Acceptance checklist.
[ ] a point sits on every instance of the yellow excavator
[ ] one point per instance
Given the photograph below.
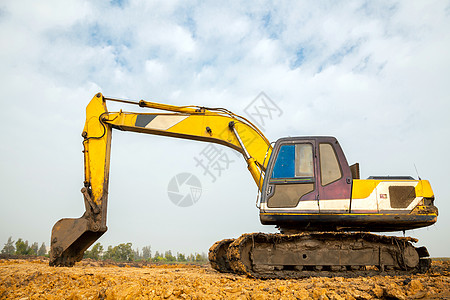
(324, 211)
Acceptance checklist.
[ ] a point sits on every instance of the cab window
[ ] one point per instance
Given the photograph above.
(294, 161)
(330, 170)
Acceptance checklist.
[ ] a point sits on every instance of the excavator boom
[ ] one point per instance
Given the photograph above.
(71, 237)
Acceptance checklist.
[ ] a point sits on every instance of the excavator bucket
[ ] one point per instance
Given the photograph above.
(70, 238)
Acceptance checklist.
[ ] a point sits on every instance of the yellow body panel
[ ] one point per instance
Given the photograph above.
(362, 189)
(423, 189)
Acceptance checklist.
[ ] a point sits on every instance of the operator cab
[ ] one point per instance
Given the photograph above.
(309, 174)
(309, 186)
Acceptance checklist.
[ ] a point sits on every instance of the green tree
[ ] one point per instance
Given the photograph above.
(22, 247)
(137, 254)
(181, 257)
(204, 257)
(9, 247)
(124, 252)
(42, 250)
(95, 252)
(34, 248)
(158, 257)
(108, 253)
(146, 253)
(121, 252)
(200, 257)
(169, 257)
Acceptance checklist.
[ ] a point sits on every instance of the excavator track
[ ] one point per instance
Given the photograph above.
(218, 256)
(269, 256)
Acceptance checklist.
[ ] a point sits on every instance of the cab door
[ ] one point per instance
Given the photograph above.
(293, 175)
(334, 180)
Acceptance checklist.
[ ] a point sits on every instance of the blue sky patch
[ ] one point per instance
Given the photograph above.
(271, 27)
(338, 55)
(299, 58)
(187, 20)
(119, 3)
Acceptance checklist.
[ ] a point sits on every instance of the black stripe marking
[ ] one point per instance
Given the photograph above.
(143, 120)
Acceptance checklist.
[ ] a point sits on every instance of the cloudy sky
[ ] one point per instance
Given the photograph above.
(375, 74)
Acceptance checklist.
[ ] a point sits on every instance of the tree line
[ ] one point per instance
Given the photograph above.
(21, 247)
(121, 252)
(124, 252)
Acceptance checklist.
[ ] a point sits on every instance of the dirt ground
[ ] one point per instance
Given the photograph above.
(34, 279)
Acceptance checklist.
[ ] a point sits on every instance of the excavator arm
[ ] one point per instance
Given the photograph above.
(71, 237)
